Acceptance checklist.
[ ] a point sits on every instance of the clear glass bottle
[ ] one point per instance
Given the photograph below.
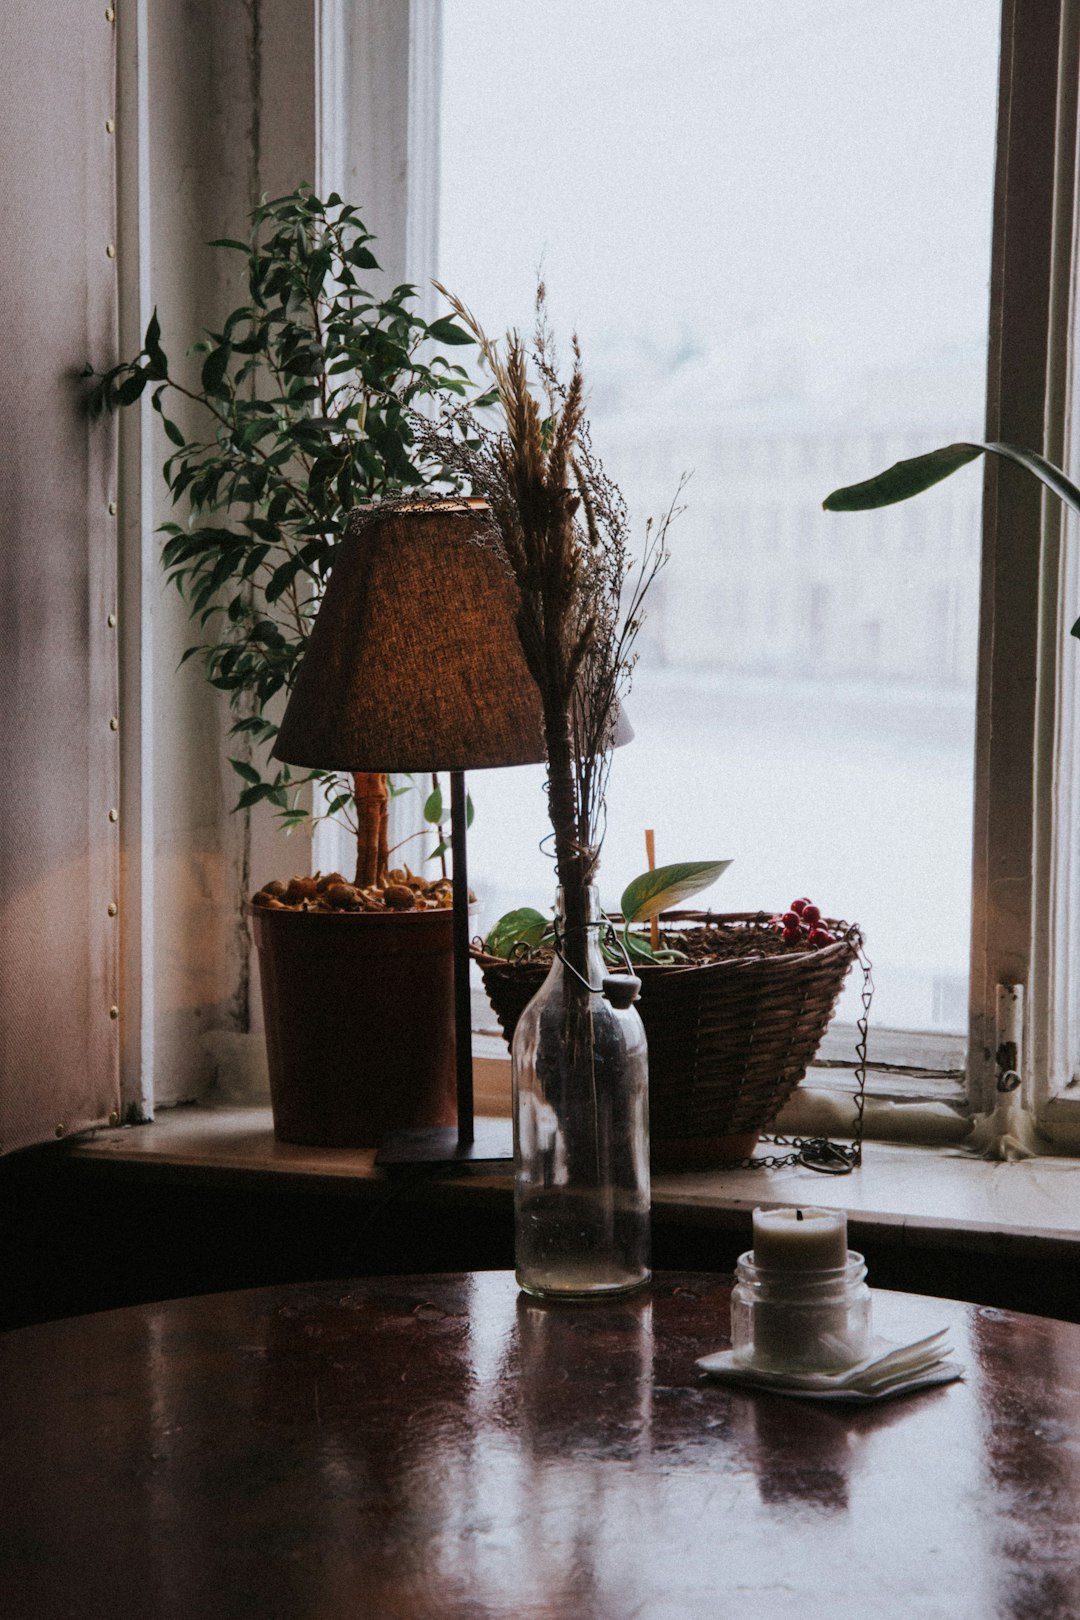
(581, 1128)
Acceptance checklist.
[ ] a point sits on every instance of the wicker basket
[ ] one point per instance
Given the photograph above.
(729, 1039)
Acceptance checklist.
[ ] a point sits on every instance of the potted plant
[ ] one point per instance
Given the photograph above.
(302, 409)
(734, 1005)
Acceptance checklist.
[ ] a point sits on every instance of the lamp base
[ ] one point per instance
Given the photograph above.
(493, 1142)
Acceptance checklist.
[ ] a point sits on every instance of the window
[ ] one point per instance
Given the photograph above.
(710, 207)
(758, 310)
(767, 434)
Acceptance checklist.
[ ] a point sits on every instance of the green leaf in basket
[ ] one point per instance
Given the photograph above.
(638, 949)
(525, 926)
(653, 892)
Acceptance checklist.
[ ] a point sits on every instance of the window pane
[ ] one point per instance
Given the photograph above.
(770, 227)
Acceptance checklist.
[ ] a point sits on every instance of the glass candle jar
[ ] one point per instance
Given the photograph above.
(800, 1321)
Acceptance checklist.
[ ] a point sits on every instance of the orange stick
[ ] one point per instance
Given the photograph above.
(650, 852)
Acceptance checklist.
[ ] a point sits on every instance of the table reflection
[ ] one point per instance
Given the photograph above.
(443, 1446)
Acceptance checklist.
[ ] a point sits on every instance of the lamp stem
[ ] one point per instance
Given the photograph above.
(462, 995)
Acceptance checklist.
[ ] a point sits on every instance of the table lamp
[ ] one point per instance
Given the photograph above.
(414, 664)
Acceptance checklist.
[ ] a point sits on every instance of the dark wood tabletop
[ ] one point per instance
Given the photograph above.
(443, 1446)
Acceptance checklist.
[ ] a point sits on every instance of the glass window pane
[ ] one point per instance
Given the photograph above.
(770, 227)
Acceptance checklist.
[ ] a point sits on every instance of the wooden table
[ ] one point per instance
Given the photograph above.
(442, 1446)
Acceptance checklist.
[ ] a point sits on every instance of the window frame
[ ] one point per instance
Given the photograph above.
(1055, 1033)
(1026, 868)
(1027, 687)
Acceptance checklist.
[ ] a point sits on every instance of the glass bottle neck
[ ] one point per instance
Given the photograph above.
(581, 953)
(592, 905)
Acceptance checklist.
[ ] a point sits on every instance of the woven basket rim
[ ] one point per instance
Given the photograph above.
(849, 943)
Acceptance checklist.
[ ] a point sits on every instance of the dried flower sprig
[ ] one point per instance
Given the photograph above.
(562, 526)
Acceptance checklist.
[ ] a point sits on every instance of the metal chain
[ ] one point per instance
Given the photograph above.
(818, 1152)
(863, 1027)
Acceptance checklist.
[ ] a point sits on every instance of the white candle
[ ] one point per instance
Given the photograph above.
(800, 1239)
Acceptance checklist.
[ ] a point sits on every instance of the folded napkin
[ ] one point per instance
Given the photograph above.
(890, 1369)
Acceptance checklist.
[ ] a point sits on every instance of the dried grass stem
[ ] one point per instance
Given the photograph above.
(561, 525)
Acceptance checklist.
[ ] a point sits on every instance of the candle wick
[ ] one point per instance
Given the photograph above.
(798, 1214)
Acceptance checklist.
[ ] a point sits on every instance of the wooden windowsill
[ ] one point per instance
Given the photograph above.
(903, 1196)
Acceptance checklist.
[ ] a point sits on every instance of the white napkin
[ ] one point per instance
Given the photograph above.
(890, 1369)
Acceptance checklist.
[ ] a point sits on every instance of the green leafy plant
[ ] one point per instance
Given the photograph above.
(665, 887)
(526, 930)
(300, 410)
(906, 478)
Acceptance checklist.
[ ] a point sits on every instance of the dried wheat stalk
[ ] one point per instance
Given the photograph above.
(562, 526)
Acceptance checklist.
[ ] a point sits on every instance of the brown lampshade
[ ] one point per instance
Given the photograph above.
(414, 662)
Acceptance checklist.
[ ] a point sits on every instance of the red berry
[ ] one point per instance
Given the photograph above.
(799, 906)
(791, 935)
(791, 919)
(811, 915)
(821, 936)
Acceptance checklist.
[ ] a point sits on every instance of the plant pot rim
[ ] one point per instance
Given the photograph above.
(411, 919)
(848, 943)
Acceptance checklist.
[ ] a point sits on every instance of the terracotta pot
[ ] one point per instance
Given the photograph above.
(359, 1012)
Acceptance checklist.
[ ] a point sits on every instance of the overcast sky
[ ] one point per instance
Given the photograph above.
(814, 173)
(801, 190)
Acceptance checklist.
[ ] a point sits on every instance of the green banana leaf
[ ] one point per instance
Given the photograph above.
(660, 890)
(639, 950)
(906, 478)
(525, 926)
(645, 897)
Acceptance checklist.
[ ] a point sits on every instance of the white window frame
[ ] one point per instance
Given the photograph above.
(1054, 1039)
(338, 92)
(379, 71)
(1024, 918)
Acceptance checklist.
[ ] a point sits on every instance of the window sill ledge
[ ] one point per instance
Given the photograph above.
(903, 1197)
